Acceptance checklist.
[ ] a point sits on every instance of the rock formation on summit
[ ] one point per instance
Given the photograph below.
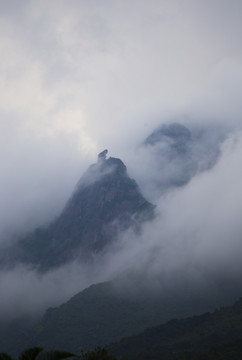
(102, 155)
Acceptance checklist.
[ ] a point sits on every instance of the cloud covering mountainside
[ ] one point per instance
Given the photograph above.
(193, 244)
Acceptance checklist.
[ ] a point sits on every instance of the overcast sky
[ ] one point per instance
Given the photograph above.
(79, 76)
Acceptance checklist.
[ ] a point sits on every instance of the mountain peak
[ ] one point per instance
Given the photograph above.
(105, 202)
(103, 170)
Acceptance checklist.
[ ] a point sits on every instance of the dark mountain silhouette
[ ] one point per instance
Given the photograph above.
(106, 201)
(100, 314)
(208, 336)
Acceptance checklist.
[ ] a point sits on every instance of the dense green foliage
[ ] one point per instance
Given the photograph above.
(30, 354)
(5, 356)
(37, 353)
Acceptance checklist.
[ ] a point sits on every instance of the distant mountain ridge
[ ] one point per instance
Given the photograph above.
(179, 152)
(101, 314)
(216, 335)
(98, 315)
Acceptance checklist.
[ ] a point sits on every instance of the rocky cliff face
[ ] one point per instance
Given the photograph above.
(105, 202)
